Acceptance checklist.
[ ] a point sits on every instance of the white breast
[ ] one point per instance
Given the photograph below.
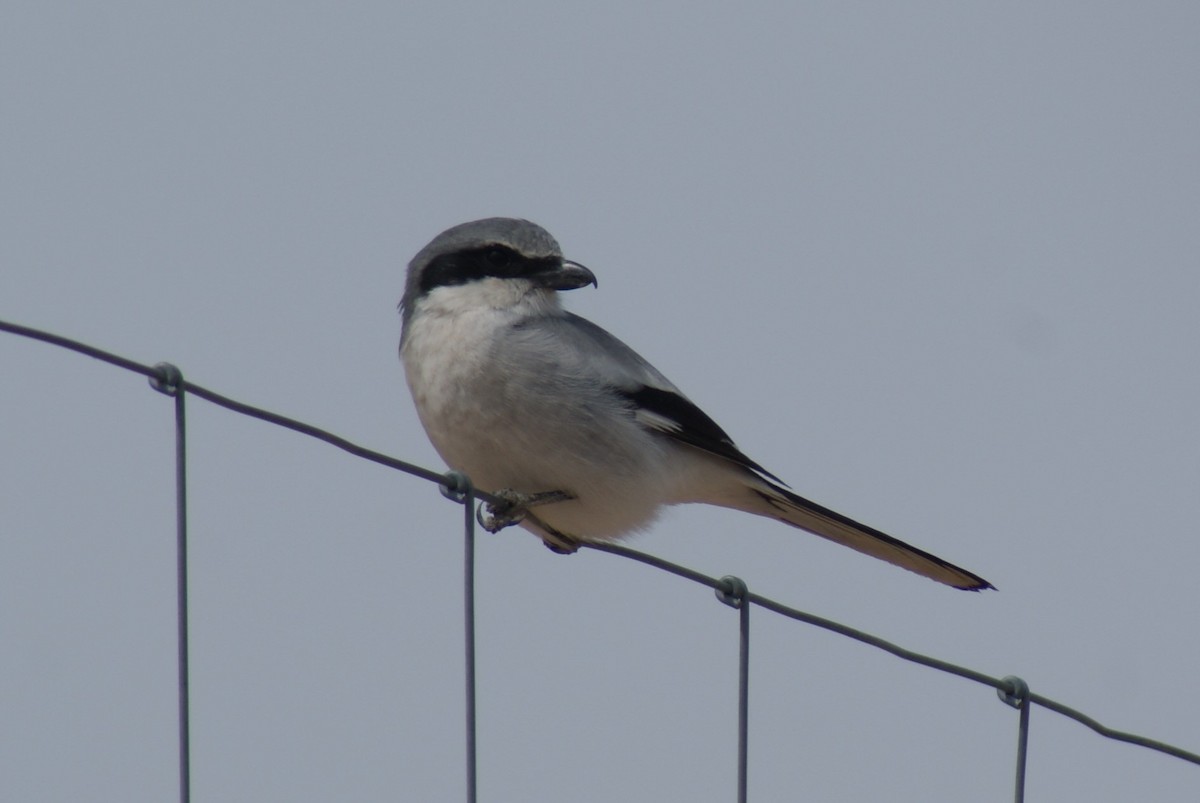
(510, 428)
(447, 362)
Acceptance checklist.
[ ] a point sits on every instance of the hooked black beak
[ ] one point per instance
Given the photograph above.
(566, 276)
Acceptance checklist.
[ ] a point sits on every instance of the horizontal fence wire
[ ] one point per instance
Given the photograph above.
(169, 380)
(1008, 686)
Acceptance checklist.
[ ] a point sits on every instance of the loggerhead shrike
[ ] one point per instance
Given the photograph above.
(585, 438)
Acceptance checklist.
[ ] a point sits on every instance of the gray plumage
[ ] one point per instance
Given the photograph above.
(522, 395)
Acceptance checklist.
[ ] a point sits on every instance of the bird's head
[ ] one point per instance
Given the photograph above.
(506, 257)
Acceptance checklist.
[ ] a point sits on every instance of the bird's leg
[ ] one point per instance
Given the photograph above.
(513, 507)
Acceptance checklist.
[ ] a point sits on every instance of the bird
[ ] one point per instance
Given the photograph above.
(580, 438)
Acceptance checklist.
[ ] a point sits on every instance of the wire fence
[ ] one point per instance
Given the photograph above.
(732, 591)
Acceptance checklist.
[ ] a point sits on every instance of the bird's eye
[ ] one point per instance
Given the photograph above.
(498, 257)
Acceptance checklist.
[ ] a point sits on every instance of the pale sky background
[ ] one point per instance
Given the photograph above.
(935, 264)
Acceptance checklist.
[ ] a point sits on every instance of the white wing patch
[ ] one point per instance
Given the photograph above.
(653, 420)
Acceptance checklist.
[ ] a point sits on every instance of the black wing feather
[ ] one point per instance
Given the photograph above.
(693, 425)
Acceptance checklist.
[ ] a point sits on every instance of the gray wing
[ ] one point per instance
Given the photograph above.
(576, 348)
(585, 349)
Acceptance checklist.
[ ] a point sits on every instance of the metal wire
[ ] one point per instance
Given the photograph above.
(239, 407)
(169, 381)
(469, 632)
(1022, 750)
(733, 593)
(181, 594)
(731, 590)
(1016, 694)
(743, 699)
(900, 652)
(462, 491)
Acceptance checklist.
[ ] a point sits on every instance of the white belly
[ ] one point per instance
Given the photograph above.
(532, 433)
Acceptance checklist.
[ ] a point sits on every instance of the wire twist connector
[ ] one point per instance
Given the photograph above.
(1013, 691)
(732, 591)
(457, 486)
(167, 379)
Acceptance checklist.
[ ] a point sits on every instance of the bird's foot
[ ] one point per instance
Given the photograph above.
(514, 506)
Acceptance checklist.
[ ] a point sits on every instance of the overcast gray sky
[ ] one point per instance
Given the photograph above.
(935, 264)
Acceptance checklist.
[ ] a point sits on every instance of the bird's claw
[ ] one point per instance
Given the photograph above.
(495, 518)
(560, 544)
(513, 507)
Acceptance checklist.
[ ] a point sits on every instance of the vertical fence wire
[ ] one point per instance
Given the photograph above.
(181, 594)
(1022, 750)
(1015, 691)
(733, 592)
(457, 487)
(469, 631)
(169, 380)
(743, 700)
